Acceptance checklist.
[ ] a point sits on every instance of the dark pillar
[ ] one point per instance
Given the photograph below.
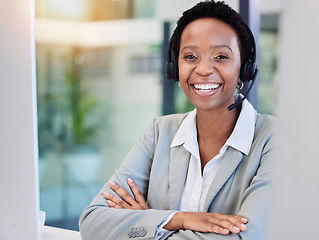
(250, 11)
(168, 85)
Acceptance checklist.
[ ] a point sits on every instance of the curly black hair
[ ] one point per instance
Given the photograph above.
(218, 10)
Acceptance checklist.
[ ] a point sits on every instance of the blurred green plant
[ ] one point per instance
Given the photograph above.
(66, 107)
(82, 105)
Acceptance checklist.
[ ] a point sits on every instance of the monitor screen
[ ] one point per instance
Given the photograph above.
(19, 204)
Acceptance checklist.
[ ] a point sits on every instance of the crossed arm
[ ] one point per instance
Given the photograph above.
(195, 221)
(126, 208)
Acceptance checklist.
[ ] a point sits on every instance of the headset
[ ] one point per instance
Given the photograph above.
(248, 70)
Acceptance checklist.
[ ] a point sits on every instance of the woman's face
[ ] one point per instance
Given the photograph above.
(209, 63)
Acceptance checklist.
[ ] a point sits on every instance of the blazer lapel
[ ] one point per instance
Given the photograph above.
(179, 161)
(230, 161)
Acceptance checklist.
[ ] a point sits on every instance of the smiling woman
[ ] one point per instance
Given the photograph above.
(205, 174)
(214, 58)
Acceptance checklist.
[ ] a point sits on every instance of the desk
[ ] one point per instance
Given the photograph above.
(52, 233)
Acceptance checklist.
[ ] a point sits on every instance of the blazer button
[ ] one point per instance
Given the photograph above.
(137, 232)
(142, 232)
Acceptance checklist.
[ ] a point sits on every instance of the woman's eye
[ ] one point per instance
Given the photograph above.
(191, 57)
(221, 57)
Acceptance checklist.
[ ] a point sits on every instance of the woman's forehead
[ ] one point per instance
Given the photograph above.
(209, 31)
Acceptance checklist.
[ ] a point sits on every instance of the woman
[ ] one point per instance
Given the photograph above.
(204, 174)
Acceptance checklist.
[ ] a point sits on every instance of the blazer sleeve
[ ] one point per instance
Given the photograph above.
(98, 221)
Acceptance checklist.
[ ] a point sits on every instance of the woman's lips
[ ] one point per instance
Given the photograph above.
(207, 87)
(206, 90)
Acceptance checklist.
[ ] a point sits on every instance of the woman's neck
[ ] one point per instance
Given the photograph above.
(213, 130)
(216, 124)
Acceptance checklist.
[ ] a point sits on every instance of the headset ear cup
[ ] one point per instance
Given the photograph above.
(169, 68)
(253, 71)
(242, 75)
(248, 71)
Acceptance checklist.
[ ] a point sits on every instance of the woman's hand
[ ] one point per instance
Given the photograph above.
(126, 201)
(195, 221)
(207, 222)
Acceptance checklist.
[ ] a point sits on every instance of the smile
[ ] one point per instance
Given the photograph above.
(205, 87)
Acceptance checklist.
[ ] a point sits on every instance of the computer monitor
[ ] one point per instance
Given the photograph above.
(19, 202)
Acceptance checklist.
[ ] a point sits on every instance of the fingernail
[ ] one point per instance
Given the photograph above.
(236, 228)
(244, 220)
(106, 194)
(243, 226)
(111, 204)
(112, 183)
(130, 180)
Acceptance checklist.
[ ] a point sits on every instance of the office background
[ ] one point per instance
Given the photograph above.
(100, 83)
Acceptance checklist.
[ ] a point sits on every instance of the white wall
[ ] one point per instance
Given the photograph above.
(295, 206)
(100, 33)
(171, 10)
(19, 203)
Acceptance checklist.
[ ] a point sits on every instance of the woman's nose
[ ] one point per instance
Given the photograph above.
(204, 67)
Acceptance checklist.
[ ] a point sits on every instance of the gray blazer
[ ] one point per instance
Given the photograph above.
(241, 186)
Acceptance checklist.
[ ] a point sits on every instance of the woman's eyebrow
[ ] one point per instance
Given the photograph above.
(222, 46)
(193, 47)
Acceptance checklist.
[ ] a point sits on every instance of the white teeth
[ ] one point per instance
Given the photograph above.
(206, 87)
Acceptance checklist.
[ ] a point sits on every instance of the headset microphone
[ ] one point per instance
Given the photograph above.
(232, 106)
(248, 71)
